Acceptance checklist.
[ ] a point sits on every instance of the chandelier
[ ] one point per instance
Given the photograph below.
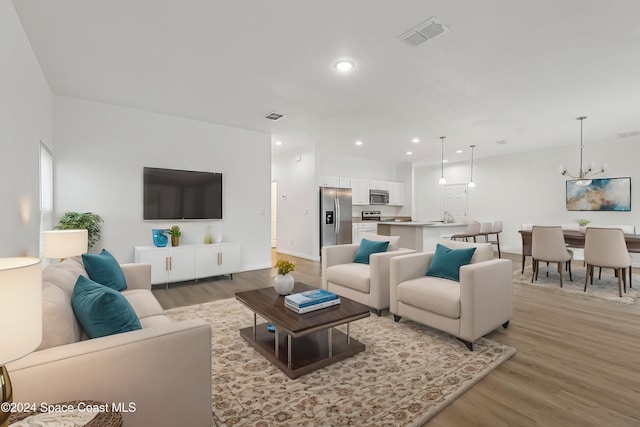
(583, 178)
(442, 179)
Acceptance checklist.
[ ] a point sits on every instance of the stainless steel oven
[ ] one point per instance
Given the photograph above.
(378, 197)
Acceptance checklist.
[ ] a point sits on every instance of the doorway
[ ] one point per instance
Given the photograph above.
(455, 201)
(274, 214)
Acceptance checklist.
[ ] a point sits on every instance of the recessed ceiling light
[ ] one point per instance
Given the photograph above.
(445, 161)
(503, 142)
(409, 153)
(344, 65)
(358, 143)
(278, 142)
(415, 140)
(458, 151)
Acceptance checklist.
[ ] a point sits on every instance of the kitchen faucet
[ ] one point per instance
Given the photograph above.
(447, 217)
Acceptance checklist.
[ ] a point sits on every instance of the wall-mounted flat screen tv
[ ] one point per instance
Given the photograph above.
(182, 194)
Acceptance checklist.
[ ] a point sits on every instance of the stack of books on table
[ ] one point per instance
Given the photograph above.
(304, 302)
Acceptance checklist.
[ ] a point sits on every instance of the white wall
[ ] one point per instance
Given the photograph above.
(297, 230)
(527, 187)
(100, 154)
(25, 120)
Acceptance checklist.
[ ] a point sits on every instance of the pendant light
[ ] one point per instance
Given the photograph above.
(442, 180)
(582, 178)
(471, 183)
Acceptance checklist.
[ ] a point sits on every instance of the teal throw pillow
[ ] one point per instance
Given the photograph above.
(104, 269)
(101, 310)
(367, 247)
(446, 262)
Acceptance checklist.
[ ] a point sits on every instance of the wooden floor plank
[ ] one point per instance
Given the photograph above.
(578, 359)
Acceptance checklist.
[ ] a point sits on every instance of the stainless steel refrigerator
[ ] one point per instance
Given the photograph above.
(335, 216)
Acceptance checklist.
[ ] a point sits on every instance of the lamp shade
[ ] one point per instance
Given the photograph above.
(64, 243)
(20, 307)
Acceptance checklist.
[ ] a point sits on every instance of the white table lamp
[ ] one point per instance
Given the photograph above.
(20, 317)
(64, 243)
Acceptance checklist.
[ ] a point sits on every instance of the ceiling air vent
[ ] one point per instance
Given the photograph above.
(274, 116)
(429, 29)
(628, 134)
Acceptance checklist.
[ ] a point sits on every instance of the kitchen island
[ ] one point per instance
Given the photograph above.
(421, 236)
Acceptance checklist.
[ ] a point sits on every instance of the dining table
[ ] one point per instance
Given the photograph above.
(574, 239)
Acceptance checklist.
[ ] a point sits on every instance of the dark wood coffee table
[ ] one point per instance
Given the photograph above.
(305, 342)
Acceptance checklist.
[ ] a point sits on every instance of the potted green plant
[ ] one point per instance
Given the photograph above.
(82, 221)
(175, 234)
(582, 223)
(283, 281)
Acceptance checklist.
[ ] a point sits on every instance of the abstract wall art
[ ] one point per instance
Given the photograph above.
(602, 194)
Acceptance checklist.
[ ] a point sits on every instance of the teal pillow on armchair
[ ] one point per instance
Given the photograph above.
(101, 310)
(446, 262)
(368, 247)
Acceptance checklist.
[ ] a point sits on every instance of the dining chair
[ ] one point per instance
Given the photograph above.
(496, 228)
(547, 245)
(606, 247)
(473, 229)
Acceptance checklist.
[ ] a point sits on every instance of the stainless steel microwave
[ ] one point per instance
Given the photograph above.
(378, 197)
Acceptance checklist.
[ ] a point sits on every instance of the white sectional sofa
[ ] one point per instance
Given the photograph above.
(163, 369)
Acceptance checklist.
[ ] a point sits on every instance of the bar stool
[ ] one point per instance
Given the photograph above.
(473, 228)
(496, 228)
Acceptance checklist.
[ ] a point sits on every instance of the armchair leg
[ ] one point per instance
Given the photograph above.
(396, 318)
(378, 312)
(467, 343)
(506, 324)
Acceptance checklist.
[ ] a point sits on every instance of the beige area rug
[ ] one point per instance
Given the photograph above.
(406, 375)
(605, 288)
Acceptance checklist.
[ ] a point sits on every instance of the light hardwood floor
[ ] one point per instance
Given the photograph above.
(578, 359)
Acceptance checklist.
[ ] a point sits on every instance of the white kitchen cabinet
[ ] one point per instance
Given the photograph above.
(329, 181)
(363, 227)
(396, 193)
(378, 185)
(359, 192)
(345, 182)
(189, 262)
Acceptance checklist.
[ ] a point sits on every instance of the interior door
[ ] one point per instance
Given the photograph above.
(455, 201)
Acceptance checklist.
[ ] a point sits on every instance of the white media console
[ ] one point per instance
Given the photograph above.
(189, 262)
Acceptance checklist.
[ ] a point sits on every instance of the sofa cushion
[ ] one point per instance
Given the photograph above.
(65, 274)
(446, 262)
(434, 294)
(102, 310)
(368, 247)
(59, 324)
(394, 241)
(104, 269)
(355, 276)
(143, 303)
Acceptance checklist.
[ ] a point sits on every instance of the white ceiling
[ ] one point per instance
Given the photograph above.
(513, 70)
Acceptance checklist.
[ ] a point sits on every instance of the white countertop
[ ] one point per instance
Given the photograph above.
(423, 224)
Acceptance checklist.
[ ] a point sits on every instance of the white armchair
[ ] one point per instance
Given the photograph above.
(480, 302)
(367, 284)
